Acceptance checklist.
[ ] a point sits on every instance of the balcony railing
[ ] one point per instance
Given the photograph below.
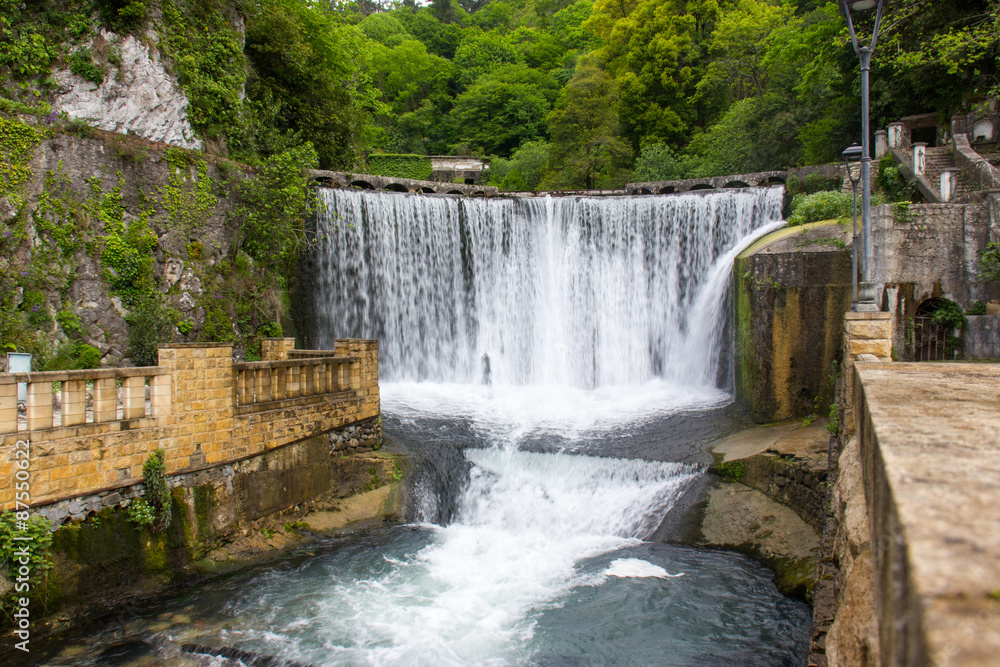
(262, 385)
(74, 398)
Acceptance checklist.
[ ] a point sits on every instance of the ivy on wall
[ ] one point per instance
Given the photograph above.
(417, 167)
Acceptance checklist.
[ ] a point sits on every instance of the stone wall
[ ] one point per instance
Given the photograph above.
(926, 251)
(922, 473)
(792, 289)
(193, 418)
(981, 337)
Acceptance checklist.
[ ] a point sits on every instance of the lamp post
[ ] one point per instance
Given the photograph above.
(851, 154)
(866, 295)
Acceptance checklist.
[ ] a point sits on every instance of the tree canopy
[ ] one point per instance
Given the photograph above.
(605, 90)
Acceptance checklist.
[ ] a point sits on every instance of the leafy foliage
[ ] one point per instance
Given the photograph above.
(989, 263)
(275, 205)
(157, 492)
(824, 205)
(149, 324)
(586, 150)
(400, 166)
(37, 537)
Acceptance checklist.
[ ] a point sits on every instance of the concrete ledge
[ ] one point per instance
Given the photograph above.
(930, 449)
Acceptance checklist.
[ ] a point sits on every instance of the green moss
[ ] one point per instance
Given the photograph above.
(204, 501)
(17, 146)
(730, 470)
(794, 577)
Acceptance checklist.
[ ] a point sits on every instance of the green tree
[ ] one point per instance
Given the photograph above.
(586, 150)
(301, 83)
(524, 170)
(503, 109)
(480, 53)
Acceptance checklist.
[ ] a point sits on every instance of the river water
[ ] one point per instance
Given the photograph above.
(556, 368)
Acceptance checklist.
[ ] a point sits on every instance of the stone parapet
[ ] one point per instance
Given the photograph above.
(864, 334)
(928, 439)
(194, 406)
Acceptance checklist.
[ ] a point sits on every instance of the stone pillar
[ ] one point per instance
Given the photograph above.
(881, 144)
(919, 158)
(895, 135)
(39, 405)
(275, 349)
(363, 375)
(203, 405)
(949, 183)
(8, 407)
(864, 334)
(74, 402)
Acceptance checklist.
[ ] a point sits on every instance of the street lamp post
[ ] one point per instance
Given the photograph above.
(853, 153)
(866, 295)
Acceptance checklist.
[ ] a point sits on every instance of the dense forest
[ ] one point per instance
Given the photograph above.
(560, 93)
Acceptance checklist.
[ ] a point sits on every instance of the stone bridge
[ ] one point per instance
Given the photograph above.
(752, 180)
(88, 433)
(758, 179)
(340, 179)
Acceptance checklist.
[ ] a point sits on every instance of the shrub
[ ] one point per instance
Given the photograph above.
(149, 324)
(989, 263)
(824, 205)
(154, 476)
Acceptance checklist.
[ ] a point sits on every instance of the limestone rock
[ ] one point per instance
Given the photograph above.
(191, 283)
(141, 98)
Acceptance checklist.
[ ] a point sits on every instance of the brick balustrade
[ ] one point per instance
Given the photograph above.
(203, 411)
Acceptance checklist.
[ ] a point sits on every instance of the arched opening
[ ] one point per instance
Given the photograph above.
(479, 193)
(426, 190)
(736, 184)
(667, 189)
(934, 332)
(455, 192)
(396, 187)
(642, 191)
(774, 180)
(364, 185)
(702, 186)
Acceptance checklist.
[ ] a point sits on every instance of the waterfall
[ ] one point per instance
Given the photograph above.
(581, 292)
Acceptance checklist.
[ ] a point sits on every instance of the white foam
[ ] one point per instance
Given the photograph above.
(636, 568)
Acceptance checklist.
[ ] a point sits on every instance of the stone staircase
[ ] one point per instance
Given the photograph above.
(938, 159)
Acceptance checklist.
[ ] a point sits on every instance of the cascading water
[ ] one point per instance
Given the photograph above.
(596, 315)
(575, 292)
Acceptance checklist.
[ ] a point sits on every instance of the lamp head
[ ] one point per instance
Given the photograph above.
(852, 152)
(861, 5)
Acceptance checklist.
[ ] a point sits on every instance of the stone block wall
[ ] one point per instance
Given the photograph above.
(193, 419)
(981, 338)
(791, 292)
(864, 334)
(927, 251)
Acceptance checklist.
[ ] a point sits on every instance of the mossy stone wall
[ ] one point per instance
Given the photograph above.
(791, 292)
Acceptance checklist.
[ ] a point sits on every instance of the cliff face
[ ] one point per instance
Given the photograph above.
(112, 244)
(139, 96)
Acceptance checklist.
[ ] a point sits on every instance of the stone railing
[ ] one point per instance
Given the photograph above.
(976, 170)
(203, 410)
(101, 397)
(267, 385)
